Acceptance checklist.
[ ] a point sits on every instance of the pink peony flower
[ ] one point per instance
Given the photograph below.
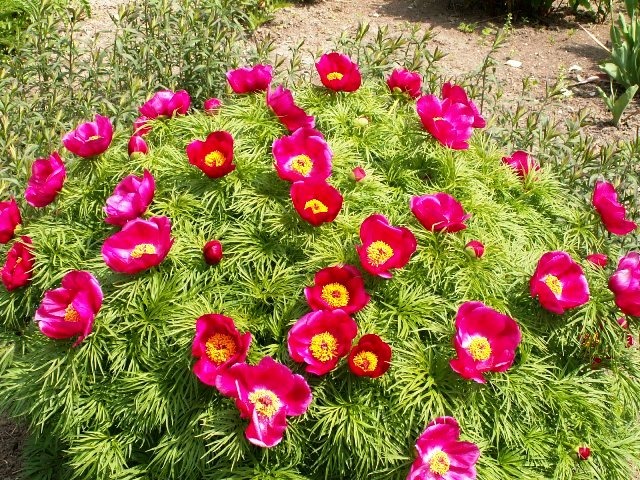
(17, 270)
(441, 455)
(141, 244)
(166, 103)
(402, 80)
(320, 339)
(457, 94)
(359, 174)
(141, 126)
(138, 145)
(521, 163)
(212, 105)
(47, 178)
(598, 259)
(439, 212)
(91, 138)
(371, 357)
(476, 247)
(70, 310)
(214, 156)
(250, 79)
(450, 123)
(281, 102)
(130, 199)
(9, 219)
(217, 345)
(605, 201)
(316, 201)
(302, 155)
(337, 72)
(212, 252)
(559, 283)
(485, 341)
(625, 284)
(336, 287)
(384, 246)
(266, 394)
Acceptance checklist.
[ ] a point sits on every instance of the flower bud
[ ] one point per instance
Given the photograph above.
(476, 247)
(212, 252)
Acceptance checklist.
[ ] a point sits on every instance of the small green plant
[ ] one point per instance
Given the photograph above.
(617, 105)
(467, 27)
(623, 66)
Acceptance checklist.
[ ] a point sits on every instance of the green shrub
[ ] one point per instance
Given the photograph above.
(624, 65)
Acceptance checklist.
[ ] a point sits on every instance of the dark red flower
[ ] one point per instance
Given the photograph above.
(214, 156)
(9, 219)
(316, 201)
(605, 201)
(47, 178)
(336, 287)
(281, 102)
(439, 212)
(402, 80)
(16, 271)
(212, 252)
(583, 452)
(370, 357)
(337, 72)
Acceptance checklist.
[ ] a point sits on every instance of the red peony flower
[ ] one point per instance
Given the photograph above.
(336, 287)
(583, 452)
(450, 123)
(320, 339)
(166, 103)
(212, 252)
(217, 345)
(521, 162)
(214, 156)
(485, 341)
(91, 138)
(47, 178)
(439, 212)
(625, 284)
(337, 72)
(605, 201)
(559, 283)
(71, 309)
(370, 357)
(359, 174)
(457, 94)
(138, 145)
(130, 199)
(141, 244)
(441, 455)
(281, 102)
(302, 155)
(141, 126)
(16, 271)
(250, 79)
(384, 246)
(266, 393)
(598, 259)
(316, 201)
(402, 80)
(476, 247)
(9, 219)
(212, 105)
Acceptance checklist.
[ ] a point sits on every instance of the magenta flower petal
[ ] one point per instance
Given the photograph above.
(166, 103)
(337, 72)
(340, 287)
(316, 201)
(137, 145)
(214, 156)
(612, 213)
(439, 212)
(47, 178)
(456, 94)
(625, 284)
(449, 123)
(521, 162)
(371, 357)
(10, 218)
(281, 102)
(17, 269)
(302, 155)
(402, 80)
(91, 138)
(250, 79)
(212, 105)
(130, 199)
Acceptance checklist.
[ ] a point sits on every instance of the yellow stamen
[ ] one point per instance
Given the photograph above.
(367, 361)
(18, 260)
(316, 206)
(302, 164)
(335, 294)
(220, 348)
(94, 137)
(143, 249)
(324, 346)
(71, 314)
(379, 252)
(554, 284)
(435, 119)
(480, 349)
(335, 76)
(439, 463)
(266, 402)
(214, 158)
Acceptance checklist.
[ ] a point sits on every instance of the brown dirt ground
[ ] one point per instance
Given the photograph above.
(547, 51)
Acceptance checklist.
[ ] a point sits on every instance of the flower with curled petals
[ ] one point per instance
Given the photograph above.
(250, 79)
(339, 287)
(91, 138)
(612, 213)
(370, 357)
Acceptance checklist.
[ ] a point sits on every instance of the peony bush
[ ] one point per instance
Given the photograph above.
(343, 279)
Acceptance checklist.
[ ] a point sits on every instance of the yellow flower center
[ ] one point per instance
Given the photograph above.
(302, 164)
(554, 284)
(335, 294)
(215, 158)
(479, 349)
(94, 137)
(266, 402)
(439, 463)
(379, 252)
(18, 260)
(324, 346)
(366, 360)
(316, 206)
(334, 76)
(71, 314)
(142, 249)
(435, 119)
(220, 348)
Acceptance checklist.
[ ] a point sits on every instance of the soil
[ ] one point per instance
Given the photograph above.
(559, 48)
